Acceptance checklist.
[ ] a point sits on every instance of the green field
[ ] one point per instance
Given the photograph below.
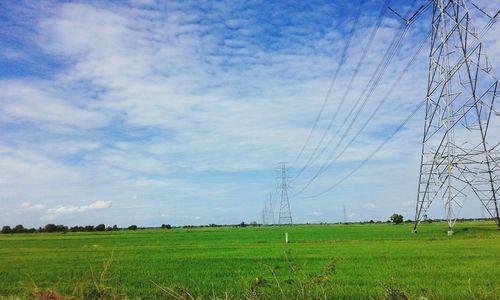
(337, 261)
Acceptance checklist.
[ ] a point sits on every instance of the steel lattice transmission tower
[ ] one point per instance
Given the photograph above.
(458, 157)
(264, 214)
(268, 212)
(271, 210)
(285, 215)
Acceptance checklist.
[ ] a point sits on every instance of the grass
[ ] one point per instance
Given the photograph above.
(379, 261)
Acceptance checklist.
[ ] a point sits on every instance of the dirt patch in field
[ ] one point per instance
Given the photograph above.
(48, 295)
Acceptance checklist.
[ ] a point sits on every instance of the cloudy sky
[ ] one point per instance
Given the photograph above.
(149, 112)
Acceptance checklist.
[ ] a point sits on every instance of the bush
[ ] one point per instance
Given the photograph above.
(397, 218)
(6, 229)
(132, 227)
(19, 229)
(50, 228)
(100, 227)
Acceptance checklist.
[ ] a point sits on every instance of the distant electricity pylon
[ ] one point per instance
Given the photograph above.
(264, 214)
(285, 215)
(457, 160)
(268, 211)
(345, 214)
(271, 209)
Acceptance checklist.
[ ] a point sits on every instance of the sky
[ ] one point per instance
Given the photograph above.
(162, 112)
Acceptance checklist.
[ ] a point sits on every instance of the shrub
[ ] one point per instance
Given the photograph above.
(397, 218)
(100, 227)
(6, 229)
(18, 229)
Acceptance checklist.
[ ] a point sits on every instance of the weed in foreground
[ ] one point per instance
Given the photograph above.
(48, 295)
(291, 282)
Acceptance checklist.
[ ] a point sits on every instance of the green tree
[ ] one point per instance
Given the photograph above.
(132, 227)
(19, 229)
(6, 229)
(397, 218)
(50, 228)
(61, 228)
(100, 227)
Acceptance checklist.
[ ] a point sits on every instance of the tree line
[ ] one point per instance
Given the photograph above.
(62, 228)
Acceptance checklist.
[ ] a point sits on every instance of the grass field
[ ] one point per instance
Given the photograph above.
(381, 261)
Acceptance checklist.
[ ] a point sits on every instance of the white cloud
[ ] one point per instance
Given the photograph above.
(62, 210)
(31, 206)
(182, 107)
(39, 102)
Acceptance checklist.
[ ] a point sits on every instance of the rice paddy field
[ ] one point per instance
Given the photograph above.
(375, 261)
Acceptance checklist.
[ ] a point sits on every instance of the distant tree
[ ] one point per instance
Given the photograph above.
(166, 226)
(115, 227)
(242, 224)
(132, 227)
(89, 228)
(371, 222)
(50, 228)
(61, 228)
(100, 227)
(19, 229)
(6, 229)
(397, 218)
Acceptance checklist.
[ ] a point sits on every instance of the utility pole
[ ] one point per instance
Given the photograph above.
(457, 158)
(285, 215)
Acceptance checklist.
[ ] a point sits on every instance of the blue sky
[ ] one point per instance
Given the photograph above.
(151, 112)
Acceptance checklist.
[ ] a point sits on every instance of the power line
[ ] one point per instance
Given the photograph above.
(370, 87)
(372, 154)
(402, 125)
(329, 162)
(334, 79)
(353, 77)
